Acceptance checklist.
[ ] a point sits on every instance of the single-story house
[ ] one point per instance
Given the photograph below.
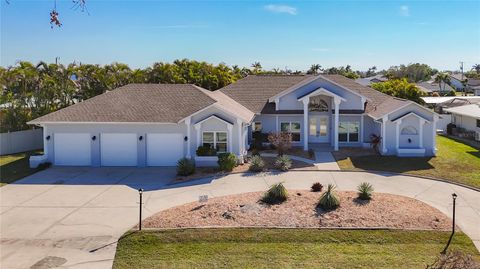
(373, 79)
(429, 87)
(157, 124)
(467, 117)
(457, 80)
(473, 85)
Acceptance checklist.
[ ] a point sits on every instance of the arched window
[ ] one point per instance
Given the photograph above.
(409, 130)
(317, 104)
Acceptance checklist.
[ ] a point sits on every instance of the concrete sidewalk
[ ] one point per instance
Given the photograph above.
(75, 225)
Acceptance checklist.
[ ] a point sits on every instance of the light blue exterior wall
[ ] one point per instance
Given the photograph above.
(290, 102)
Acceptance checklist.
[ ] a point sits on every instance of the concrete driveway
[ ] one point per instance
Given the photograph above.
(73, 217)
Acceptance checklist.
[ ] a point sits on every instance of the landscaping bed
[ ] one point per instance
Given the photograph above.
(285, 248)
(201, 172)
(383, 210)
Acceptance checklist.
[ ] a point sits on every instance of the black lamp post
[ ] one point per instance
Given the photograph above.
(140, 193)
(454, 197)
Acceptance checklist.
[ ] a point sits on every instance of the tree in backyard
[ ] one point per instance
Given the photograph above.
(442, 79)
(282, 141)
(412, 72)
(314, 69)
(372, 71)
(400, 88)
(257, 68)
(476, 68)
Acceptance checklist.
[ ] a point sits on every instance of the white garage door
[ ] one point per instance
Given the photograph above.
(118, 149)
(72, 149)
(164, 149)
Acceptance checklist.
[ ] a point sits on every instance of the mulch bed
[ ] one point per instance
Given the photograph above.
(384, 210)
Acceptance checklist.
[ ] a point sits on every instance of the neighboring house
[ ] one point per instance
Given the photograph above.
(373, 79)
(429, 87)
(473, 85)
(456, 81)
(467, 117)
(157, 124)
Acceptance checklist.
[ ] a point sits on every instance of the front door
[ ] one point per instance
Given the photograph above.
(318, 129)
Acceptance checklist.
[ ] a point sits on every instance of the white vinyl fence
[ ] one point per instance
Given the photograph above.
(443, 121)
(21, 141)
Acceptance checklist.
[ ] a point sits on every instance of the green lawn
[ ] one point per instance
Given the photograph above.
(284, 248)
(455, 161)
(15, 166)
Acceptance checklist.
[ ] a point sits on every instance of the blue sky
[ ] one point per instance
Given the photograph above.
(277, 34)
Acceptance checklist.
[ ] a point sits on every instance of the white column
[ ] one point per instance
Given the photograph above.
(397, 135)
(384, 134)
(239, 129)
(197, 129)
(187, 122)
(245, 139)
(434, 134)
(276, 124)
(230, 138)
(361, 130)
(45, 142)
(420, 133)
(305, 123)
(337, 118)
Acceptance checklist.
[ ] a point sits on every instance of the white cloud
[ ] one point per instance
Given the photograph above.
(321, 49)
(404, 11)
(281, 9)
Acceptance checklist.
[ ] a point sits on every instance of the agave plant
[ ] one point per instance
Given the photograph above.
(283, 163)
(276, 194)
(256, 164)
(329, 199)
(365, 191)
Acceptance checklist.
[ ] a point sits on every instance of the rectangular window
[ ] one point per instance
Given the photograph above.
(478, 123)
(257, 126)
(348, 131)
(216, 140)
(292, 127)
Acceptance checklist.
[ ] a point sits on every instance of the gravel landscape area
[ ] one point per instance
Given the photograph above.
(384, 210)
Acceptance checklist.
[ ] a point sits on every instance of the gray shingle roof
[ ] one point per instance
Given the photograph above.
(168, 103)
(254, 91)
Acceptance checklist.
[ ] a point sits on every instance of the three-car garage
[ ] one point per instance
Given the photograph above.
(117, 149)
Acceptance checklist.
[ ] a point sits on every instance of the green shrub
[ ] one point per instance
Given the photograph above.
(227, 161)
(283, 163)
(185, 167)
(329, 199)
(206, 151)
(277, 194)
(256, 164)
(365, 191)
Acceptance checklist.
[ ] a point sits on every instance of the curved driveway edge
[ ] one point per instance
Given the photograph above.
(93, 207)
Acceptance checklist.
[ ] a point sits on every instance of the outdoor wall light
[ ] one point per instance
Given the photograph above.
(140, 138)
(94, 137)
(48, 137)
(185, 138)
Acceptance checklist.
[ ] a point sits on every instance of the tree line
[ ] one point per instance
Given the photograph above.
(30, 91)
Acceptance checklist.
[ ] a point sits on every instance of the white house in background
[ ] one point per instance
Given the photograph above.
(467, 117)
(157, 124)
(473, 85)
(429, 87)
(456, 81)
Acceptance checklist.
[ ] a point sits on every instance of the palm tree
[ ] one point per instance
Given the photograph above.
(442, 78)
(476, 67)
(314, 69)
(257, 67)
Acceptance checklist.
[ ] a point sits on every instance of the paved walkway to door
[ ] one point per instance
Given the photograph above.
(324, 160)
(73, 217)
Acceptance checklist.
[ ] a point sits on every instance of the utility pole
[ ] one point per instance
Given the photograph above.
(464, 84)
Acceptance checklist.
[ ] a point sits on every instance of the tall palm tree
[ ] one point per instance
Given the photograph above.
(476, 67)
(442, 78)
(257, 67)
(314, 69)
